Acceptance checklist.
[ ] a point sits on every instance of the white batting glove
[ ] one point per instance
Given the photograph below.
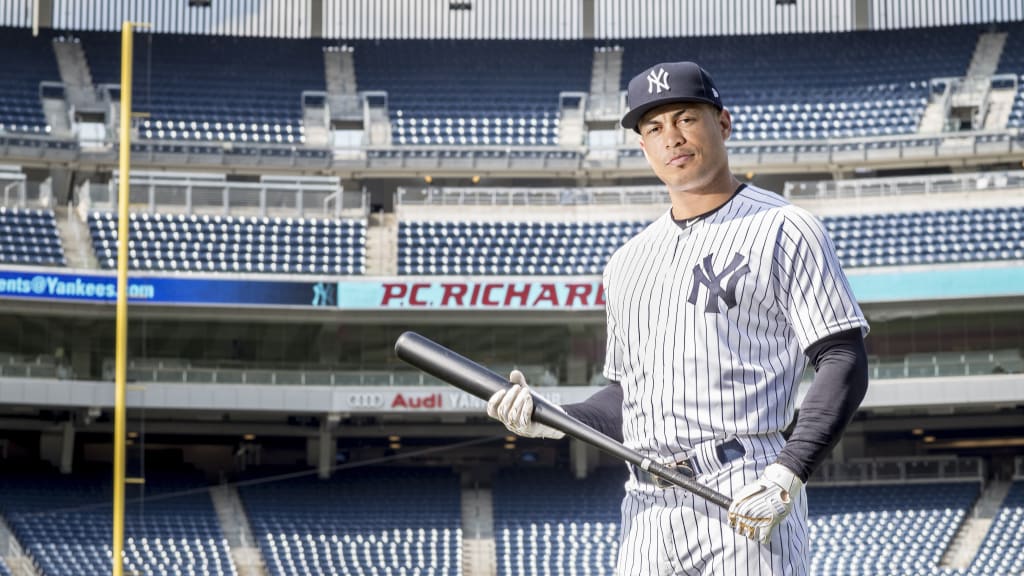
(513, 407)
(764, 503)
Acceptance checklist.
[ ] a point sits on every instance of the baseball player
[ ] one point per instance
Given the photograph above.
(712, 313)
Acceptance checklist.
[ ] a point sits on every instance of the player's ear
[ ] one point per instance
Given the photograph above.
(725, 123)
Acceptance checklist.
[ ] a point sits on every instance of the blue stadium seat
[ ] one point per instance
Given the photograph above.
(364, 521)
(64, 524)
(29, 237)
(855, 530)
(28, 60)
(214, 243)
(1000, 552)
(236, 89)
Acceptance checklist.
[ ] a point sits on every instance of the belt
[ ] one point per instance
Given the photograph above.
(725, 452)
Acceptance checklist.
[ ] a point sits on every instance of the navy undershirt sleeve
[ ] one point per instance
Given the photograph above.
(840, 382)
(602, 411)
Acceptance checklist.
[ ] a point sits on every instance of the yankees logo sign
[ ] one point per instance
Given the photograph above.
(657, 80)
(711, 280)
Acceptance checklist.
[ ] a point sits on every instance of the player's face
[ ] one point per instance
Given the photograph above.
(685, 145)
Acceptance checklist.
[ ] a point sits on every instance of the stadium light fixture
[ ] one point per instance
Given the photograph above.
(929, 439)
(395, 446)
(394, 438)
(510, 439)
(510, 446)
(248, 437)
(917, 431)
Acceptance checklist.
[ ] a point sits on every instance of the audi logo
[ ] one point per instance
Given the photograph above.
(365, 400)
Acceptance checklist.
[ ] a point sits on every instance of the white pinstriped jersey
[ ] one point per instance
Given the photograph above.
(707, 325)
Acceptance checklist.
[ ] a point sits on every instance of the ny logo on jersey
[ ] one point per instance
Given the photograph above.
(713, 282)
(657, 80)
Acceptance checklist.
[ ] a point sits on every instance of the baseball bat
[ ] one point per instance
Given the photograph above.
(449, 366)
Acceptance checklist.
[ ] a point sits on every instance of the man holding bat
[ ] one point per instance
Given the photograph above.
(712, 314)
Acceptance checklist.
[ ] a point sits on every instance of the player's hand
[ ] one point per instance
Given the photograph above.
(764, 503)
(513, 407)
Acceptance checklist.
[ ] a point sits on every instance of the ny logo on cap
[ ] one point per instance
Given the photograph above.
(657, 80)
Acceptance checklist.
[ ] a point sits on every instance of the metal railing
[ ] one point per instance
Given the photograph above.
(619, 195)
(900, 470)
(299, 377)
(961, 148)
(281, 377)
(302, 196)
(174, 370)
(896, 186)
(13, 182)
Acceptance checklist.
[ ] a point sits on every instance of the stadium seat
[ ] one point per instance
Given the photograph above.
(234, 244)
(573, 248)
(362, 521)
(64, 524)
(29, 237)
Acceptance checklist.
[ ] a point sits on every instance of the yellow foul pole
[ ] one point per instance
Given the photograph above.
(121, 349)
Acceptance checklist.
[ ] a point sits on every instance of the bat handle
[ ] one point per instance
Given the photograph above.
(676, 477)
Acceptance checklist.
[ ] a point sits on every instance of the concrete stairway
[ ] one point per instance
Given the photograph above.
(570, 126)
(75, 73)
(342, 89)
(934, 118)
(478, 551)
(234, 523)
(1000, 104)
(382, 244)
(605, 77)
(974, 90)
(75, 238)
(56, 112)
(339, 71)
(315, 122)
(972, 532)
(986, 55)
(14, 555)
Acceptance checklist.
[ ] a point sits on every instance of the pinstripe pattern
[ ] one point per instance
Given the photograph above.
(706, 331)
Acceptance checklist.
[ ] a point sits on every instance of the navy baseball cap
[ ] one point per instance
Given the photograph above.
(666, 83)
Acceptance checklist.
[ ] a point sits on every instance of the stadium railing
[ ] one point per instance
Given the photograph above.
(12, 183)
(900, 470)
(42, 366)
(192, 193)
(894, 186)
(963, 148)
(620, 195)
(949, 364)
(181, 372)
